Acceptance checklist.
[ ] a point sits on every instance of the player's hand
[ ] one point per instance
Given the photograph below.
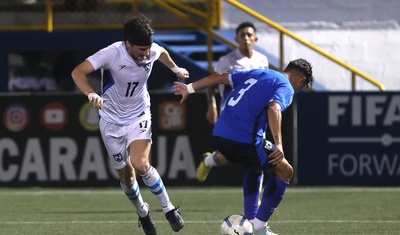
(180, 89)
(277, 155)
(183, 74)
(95, 100)
(212, 114)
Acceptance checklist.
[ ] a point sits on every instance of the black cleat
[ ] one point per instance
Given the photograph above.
(175, 219)
(147, 224)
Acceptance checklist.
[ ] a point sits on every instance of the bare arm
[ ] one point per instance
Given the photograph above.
(214, 79)
(79, 75)
(166, 59)
(212, 112)
(275, 123)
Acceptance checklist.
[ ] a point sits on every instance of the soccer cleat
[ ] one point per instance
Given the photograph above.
(202, 169)
(175, 219)
(264, 231)
(147, 224)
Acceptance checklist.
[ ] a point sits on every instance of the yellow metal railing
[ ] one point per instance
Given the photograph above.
(206, 18)
(283, 31)
(51, 15)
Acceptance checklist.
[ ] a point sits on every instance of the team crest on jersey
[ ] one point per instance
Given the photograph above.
(118, 157)
(147, 67)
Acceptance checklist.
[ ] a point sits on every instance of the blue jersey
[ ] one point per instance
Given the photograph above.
(244, 118)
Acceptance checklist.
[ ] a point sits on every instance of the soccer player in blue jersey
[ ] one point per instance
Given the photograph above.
(257, 102)
(244, 57)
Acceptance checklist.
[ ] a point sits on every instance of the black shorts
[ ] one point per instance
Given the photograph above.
(250, 156)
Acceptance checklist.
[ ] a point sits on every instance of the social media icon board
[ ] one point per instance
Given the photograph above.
(54, 116)
(16, 117)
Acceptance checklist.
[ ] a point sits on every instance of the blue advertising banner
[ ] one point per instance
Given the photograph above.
(349, 138)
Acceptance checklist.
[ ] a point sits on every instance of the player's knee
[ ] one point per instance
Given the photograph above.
(220, 159)
(284, 171)
(127, 175)
(142, 168)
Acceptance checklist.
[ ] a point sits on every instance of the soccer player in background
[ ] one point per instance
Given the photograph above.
(124, 107)
(257, 102)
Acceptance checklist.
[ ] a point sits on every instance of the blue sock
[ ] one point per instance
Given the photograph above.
(252, 183)
(272, 196)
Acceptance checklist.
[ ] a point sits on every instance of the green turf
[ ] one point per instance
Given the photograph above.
(304, 210)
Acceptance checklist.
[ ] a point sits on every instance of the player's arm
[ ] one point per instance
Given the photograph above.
(222, 65)
(166, 59)
(212, 112)
(275, 123)
(211, 80)
(79, 75)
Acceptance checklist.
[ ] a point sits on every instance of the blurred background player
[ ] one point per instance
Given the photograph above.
(256, 103)
(125, 123)
(33, 75)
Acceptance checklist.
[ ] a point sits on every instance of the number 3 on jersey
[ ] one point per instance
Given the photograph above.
(233, 101)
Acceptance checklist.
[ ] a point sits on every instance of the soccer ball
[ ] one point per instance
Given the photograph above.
(236, 225)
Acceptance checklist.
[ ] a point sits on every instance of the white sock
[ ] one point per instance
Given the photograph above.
(134, 195)
(258, 224)
(209, 160)
(154, 182)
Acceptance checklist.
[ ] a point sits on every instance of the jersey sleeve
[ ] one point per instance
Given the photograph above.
(283, 96)
(155, 48)
(101, 58)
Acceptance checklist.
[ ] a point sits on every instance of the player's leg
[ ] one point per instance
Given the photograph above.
(116, 148)
(133, 193)
(273, 194)
(252, 184)
(209, 161)
(139, 151)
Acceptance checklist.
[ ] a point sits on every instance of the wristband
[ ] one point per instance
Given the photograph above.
(175, 69)
(190, 88)
(90, 96)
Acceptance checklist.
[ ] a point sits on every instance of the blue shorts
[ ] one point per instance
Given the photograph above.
(250, 156)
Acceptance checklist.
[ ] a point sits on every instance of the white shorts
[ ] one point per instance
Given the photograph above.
(117, 138)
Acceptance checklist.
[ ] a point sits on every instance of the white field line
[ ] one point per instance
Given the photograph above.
(205, 222)
(209, 190)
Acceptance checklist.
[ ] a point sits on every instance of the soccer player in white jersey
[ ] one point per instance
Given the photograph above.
(257, 101)
(124, 108)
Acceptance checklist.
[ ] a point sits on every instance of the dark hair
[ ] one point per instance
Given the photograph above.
(304, 67)
(138, 31)
(245, 25)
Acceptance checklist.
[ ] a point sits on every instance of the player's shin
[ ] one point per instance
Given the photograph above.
(272, 196)
(134, 195)
(154, 182)
(251, 192)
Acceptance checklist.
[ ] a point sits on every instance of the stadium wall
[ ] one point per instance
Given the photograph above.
(362, 33)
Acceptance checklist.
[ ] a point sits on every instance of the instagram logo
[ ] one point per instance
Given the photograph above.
(16, 117)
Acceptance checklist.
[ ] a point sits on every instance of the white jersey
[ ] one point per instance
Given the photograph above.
(125, 93)
(236, 61)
